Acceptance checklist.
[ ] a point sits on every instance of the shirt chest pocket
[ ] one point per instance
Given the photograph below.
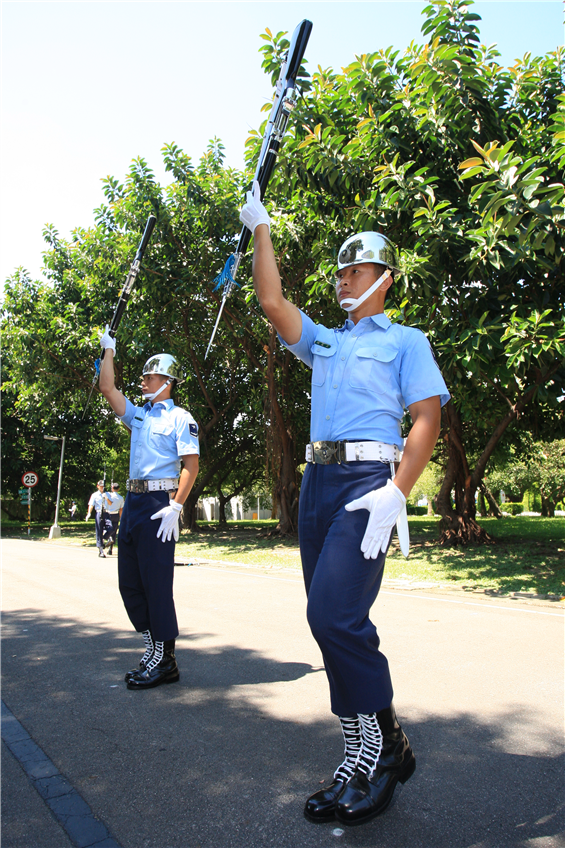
(373, 369)
(162, 436)
(323, 357)
(135, 426)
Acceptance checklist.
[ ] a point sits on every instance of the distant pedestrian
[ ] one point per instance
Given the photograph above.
(73, 510)
(99, 501)
(115, 507)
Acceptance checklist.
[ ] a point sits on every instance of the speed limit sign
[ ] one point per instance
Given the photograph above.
(30, 479)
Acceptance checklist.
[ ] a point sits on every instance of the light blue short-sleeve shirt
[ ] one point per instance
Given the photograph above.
(364, 375)
(96, 500)
(117, 503)
(160, 434)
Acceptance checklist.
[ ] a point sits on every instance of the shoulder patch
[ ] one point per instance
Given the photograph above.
(193, 429)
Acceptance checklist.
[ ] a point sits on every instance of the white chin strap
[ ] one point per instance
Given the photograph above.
(350, 304)
(152, 395)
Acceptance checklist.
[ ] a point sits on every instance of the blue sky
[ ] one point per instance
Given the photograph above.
(87, 86)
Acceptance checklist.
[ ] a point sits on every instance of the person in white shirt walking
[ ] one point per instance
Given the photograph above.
(99, 501)
(115, 507)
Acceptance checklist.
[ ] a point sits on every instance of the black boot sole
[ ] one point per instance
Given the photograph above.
(404, 776)
(329, 817)
(171, 679)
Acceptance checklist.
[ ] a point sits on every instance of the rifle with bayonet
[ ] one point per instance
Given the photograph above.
(283, 104)
(124, 297)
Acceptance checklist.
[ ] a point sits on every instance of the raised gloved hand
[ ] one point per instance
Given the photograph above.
(169, 516)
(107, 341)
(384, 507)
(254, 213)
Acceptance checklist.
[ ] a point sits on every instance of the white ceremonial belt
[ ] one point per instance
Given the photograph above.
(169, 484)
(327, 453)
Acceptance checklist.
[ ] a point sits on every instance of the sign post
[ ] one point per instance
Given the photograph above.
(29, 479)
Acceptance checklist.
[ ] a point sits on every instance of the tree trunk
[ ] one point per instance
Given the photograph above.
(547, 508)
(189, 512)
(458, 525)
(493, 506)
(286, 489)
(287, 492)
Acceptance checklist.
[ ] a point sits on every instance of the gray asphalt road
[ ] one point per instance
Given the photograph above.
(226, 757)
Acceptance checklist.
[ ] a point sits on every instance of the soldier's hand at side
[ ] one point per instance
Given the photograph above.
(384, 506)
(169, 516)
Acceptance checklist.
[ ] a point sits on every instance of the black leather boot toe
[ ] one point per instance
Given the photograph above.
(166, 671)
(320, 807)
(140, 668)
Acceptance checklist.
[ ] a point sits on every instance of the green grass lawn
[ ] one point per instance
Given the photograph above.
(529, 554)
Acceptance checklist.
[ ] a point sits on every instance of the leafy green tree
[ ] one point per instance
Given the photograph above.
(547, 470)
(391, 143)
(52, 329)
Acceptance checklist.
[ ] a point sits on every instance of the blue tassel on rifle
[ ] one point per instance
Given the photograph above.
(98, 365)
(225, 277)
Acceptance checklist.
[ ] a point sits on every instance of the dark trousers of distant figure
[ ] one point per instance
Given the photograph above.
(146, 567)
(112, 527)
(100, 528)
(103, 529)
(342, 585)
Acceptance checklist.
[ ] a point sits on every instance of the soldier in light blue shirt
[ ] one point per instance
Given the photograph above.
(162, 437)
(364, 375)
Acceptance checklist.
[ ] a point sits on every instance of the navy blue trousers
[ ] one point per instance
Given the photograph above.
(103, 529)
(146, 567)
(114, 521)
(342, 585)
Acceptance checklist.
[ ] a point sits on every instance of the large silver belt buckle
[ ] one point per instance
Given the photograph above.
(325, 453)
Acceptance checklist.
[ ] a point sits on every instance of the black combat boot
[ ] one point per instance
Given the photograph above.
(385, 759)
(149, 648)
(161, 668)
(320, 807)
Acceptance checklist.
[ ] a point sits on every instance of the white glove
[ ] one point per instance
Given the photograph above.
(169, 516)
(254, 213)
(384, 507)
(107, 341)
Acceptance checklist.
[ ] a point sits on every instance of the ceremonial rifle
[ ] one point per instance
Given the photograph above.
(124, 297)
(284, 102)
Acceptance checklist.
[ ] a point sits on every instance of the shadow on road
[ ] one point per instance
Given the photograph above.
(207, 763)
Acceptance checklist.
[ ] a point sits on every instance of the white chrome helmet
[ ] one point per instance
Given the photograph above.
(164, 364)
(367, 247)
(362, 248)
